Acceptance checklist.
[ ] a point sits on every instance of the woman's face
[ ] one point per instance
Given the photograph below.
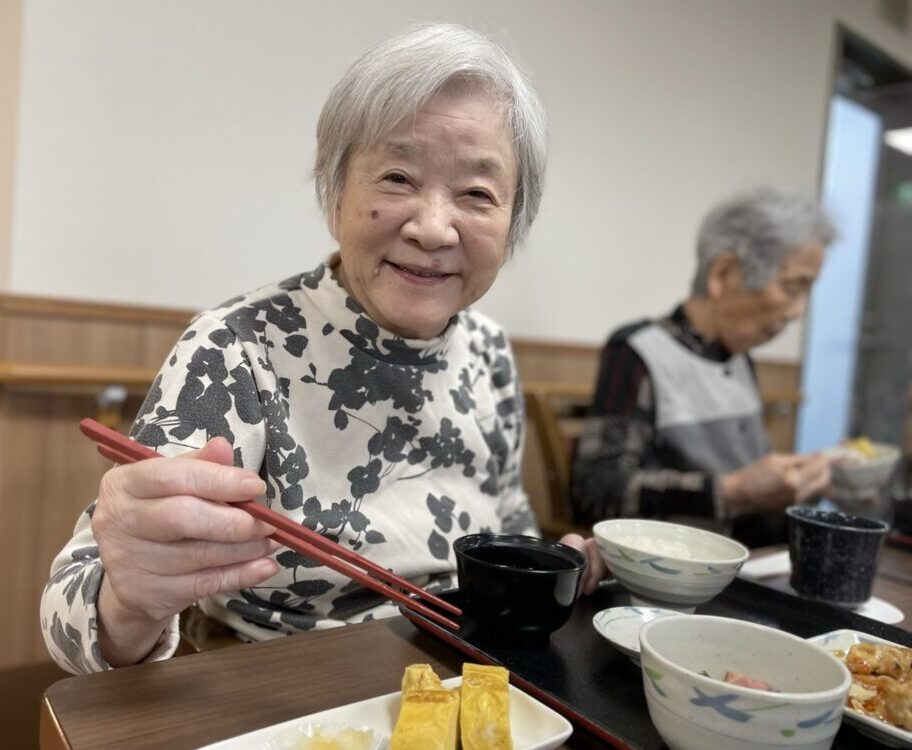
(747, 318)
(423, 220)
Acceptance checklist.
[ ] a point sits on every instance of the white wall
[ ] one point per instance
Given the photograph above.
(165, 145)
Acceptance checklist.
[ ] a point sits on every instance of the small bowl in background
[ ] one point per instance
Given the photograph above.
(693, 711)
(856, 473)
(519, 585)
(669, 564)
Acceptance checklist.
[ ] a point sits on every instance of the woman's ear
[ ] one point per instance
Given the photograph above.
(725, 275)
(334, 220)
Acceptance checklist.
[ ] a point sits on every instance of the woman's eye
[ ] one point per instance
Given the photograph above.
(396, 178)
(481, 195)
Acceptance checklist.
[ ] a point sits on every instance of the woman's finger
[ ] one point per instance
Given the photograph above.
(173, 519)
(596, 571)
(183, 476)
(185, 557)
(234, 577)
(595, 566)
(813, 477)
(162, 597)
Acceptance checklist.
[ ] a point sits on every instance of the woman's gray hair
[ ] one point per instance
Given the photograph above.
(760, 227)
(396, 78)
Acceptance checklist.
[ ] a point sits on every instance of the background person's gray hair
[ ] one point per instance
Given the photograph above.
(397, 77)
(760, 227)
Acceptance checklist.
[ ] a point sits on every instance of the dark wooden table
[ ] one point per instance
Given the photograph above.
(198, 699)
(194, 700)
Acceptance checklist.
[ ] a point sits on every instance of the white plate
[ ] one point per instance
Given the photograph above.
(534, 725)
(620, 626)
(843, 640)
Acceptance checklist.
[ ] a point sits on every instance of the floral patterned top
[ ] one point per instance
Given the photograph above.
(393, 447)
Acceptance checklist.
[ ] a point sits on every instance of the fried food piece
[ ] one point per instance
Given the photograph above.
(874, 659)
(429, 714)
(485, 716)
(881, 682)
(883, 698)
(897, 703)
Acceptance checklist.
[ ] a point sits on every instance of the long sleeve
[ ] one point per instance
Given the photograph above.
(69, 616)
(618, 469)
(187, 404)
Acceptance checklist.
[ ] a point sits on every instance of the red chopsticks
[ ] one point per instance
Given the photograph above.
(121, 449)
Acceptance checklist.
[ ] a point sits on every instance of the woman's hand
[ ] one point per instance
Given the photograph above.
(164, 544)
(595, 570)
(776, 481)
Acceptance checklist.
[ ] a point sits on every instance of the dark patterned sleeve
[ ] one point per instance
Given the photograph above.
(615, 468)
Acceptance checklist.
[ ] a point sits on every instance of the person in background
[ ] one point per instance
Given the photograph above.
(362, 399)
(675, 430)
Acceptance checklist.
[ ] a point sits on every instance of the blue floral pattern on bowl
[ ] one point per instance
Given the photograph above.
(721, 703)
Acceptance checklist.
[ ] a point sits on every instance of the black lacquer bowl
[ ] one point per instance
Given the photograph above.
(518, 585)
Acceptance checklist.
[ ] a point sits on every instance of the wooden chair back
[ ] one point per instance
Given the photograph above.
(556, 412)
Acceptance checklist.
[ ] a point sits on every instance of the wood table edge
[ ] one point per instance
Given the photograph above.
(50, 734)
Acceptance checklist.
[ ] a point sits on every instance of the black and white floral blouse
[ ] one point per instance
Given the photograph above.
(394, 447)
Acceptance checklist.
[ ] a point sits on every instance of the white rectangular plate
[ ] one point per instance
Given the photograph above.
(843, 640)
(534, 725)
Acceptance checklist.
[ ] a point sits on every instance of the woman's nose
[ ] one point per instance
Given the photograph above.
(431, 225)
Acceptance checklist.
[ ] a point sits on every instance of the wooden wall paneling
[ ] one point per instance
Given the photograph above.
(780, 387)
(55, 357)
(48, 475)
(556, 362)
(64, 332)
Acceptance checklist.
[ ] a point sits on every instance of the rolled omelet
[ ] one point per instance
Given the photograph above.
(485, 713)
(429, 714)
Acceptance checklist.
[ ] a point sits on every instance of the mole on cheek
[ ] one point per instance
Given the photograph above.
(375, 214)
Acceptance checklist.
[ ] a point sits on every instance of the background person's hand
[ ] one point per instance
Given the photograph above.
(776, 481)
(595, 570)
(164, 544)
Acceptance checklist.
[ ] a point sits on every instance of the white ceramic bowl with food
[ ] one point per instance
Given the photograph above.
(857, 471)
(668, 563)
(685, 659)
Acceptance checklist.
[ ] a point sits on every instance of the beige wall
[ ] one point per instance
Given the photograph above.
(165, 148)
(10, 32)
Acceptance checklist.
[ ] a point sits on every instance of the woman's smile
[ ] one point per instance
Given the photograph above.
(420, 275)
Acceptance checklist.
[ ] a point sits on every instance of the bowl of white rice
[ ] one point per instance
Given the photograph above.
(668, 564)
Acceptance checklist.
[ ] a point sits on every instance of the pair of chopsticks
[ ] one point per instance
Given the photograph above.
(122, 450)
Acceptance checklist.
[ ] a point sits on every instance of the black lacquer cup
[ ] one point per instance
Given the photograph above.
(518, 585)
(834, 555)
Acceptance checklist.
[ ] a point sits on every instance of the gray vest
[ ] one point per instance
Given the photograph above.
(708, 414)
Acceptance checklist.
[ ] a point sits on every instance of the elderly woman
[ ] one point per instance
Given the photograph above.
(676, 426)
(361, 399)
